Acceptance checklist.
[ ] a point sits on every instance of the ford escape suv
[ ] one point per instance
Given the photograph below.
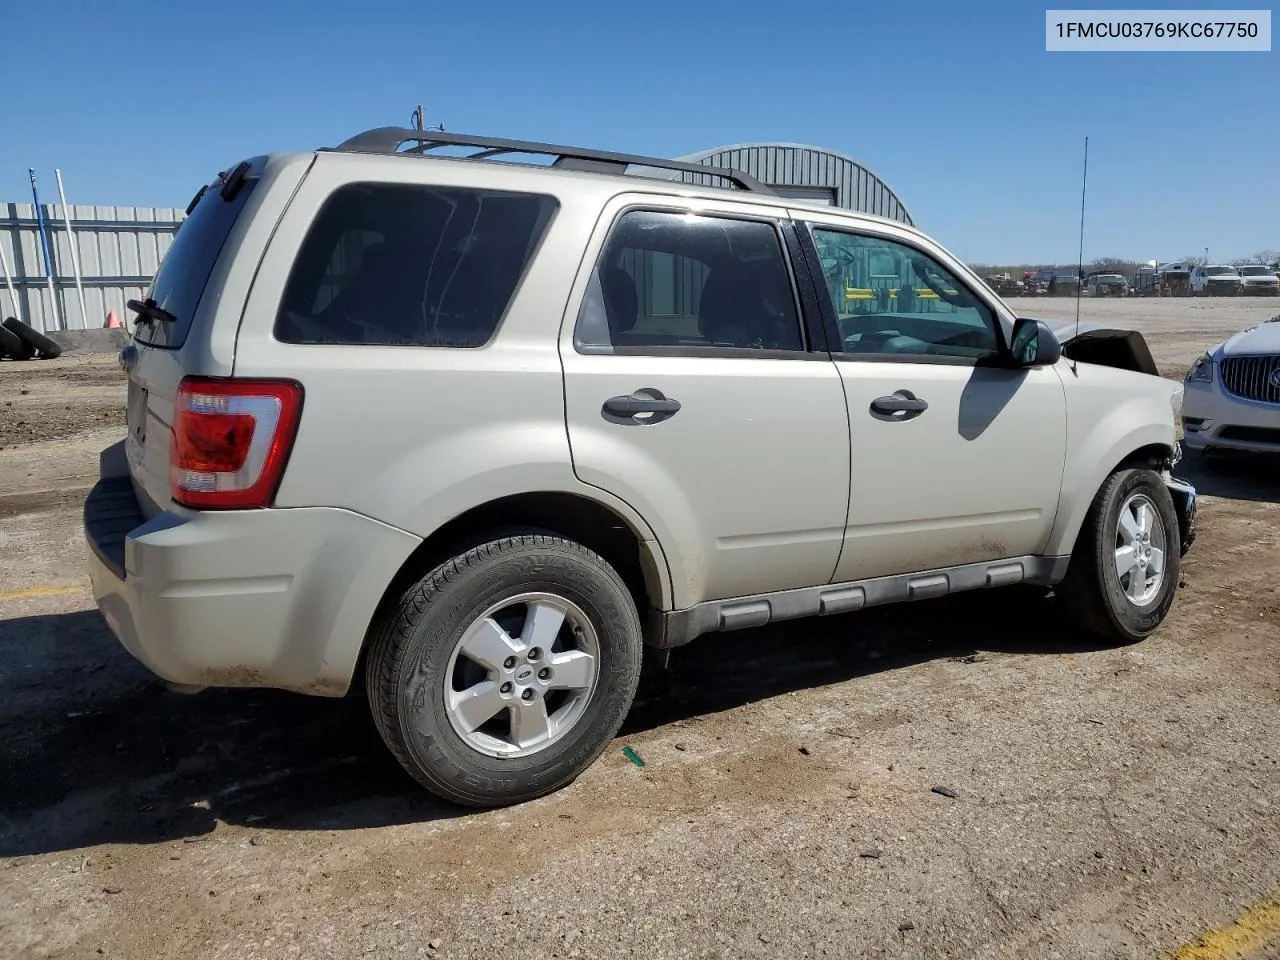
(465, 435)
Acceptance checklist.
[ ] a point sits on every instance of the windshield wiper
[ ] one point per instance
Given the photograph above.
(148, 311)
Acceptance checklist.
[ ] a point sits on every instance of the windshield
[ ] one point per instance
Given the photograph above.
(1217, 271)
(1255, 271)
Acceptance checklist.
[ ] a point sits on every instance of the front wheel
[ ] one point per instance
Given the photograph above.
(1125, 568)
(503, 673)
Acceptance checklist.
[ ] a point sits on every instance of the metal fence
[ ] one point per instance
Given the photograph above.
(119, 249)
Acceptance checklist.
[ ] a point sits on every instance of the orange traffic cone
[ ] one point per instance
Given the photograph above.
(113, 322)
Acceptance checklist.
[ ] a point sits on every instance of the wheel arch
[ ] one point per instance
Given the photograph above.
(634, 553)
(1147, 448)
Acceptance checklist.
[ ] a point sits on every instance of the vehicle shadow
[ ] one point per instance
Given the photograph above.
(1249, 477)
(95, 750)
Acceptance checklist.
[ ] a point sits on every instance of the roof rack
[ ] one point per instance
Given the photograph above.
(390, 139)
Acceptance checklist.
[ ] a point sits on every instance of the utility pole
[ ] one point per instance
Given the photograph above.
(48, 254)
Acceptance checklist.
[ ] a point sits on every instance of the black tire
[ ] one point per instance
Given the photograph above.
(11, 346)
(416, 637)
(1092, 594)
(37, 341)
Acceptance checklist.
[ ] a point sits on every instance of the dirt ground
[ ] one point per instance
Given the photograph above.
(1109, 803)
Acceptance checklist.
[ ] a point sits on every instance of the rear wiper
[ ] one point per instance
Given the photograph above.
(148, 311)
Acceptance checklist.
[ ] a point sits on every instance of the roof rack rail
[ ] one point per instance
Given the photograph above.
(390, 139)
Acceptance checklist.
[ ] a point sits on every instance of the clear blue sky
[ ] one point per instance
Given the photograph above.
(957, 106)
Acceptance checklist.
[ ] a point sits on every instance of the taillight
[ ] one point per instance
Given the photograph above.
(230, 441)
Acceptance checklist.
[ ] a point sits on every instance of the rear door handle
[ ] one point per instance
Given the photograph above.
(634, 406)
(902, 405)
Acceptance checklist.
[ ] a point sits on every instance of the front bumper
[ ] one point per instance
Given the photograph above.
(254, 598)
(1184, 502)
(1213, 418)
(1212, 289)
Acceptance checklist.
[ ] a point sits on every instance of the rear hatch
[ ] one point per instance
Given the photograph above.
(155, 360)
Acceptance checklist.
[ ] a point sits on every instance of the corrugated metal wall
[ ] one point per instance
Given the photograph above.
(119, 247)
(786, 164)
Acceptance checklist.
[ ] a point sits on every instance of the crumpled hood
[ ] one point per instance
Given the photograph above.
(1261, 339)
(1105, 344)
(1065, 330)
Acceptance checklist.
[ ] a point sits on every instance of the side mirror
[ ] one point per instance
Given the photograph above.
(1033, 344)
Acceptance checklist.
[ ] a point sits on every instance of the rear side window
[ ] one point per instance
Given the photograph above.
(674, 282)
(185, 270)
(399, 264)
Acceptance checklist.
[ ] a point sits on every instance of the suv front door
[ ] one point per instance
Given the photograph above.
(955, 460)
(690, 394)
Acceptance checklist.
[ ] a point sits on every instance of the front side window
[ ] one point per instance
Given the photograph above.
(890, 298)
(671, 282)
(410, 265)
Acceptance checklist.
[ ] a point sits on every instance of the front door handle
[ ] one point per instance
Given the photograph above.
(902, 405)
(633, 406)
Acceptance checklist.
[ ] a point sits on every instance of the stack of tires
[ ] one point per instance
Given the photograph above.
(21, 342)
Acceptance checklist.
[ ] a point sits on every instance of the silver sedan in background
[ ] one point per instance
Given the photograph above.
(1231, 399)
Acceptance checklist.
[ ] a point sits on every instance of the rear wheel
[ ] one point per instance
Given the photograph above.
(1125, 567)
(503, 673)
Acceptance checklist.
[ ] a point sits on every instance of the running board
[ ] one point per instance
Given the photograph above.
(677, 627)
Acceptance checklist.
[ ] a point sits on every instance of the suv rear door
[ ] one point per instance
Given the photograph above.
(691, 394)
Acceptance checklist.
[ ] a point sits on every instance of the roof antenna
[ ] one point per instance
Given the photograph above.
(419, 120)
(1084, 187)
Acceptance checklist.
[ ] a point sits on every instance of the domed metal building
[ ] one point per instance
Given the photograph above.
(802, 172)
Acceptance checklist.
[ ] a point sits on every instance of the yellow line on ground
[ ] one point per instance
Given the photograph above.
(1252, 929)
(43, 592)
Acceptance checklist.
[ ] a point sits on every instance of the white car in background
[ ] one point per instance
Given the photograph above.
(1215, 280)
(1260, 281)
(1231, 399)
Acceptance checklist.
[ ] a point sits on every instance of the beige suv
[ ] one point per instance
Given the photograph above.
(468, 434)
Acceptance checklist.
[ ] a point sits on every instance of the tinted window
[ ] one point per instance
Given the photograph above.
(411, 265)
(185, 269)
(891, 298)
(676, 281)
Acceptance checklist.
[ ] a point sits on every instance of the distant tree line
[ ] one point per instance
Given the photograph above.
(1119, 265)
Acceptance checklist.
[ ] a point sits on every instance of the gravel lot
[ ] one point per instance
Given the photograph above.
(1109, 803)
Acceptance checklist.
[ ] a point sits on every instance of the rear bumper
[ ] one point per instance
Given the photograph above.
(260, 598)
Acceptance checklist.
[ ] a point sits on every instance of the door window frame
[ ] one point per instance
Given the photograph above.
(830, 316)
(809, 311)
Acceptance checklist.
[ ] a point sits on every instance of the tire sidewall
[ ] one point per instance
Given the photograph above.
(1132, 620)
(429, 737)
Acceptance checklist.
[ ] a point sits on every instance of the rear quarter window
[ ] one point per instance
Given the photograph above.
(400, 264)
